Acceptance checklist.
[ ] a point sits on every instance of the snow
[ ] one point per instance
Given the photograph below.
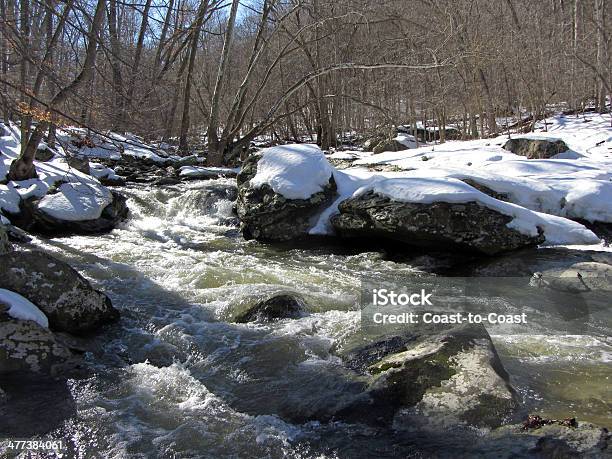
(576, 184)
(76, 202)
(64, 192)
(407, 140)
(196, 171)
(543, 194)
(101, 171)
(112, 145)
(20, 308)
(294, 171)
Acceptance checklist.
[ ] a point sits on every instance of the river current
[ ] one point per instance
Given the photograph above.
(174, 378)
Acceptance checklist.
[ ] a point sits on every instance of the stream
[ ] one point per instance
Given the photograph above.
(174, 378)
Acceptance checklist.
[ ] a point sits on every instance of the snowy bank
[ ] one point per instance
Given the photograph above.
(60, 193)
(576, 184)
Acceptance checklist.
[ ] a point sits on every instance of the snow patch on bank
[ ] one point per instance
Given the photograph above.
(199, 171)
(64, 192)
(294, 171)
(22, 309)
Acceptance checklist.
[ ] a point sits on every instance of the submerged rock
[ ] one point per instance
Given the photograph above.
(577, 278)
(66, 298)
(455, 374)
(32, 218)
(25, 346)
(286, 306)
(556, 440)
(524, 263)
(535, 148)
(269, 216)
(466, 226)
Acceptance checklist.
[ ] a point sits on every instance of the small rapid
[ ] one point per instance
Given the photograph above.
(175, 378)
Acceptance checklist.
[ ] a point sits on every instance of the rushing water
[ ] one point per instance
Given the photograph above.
(174, 379)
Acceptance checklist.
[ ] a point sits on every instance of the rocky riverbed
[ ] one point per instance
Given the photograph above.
(203, 358)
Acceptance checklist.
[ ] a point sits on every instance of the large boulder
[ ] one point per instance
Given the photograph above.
(467, 226)
(388, 145)
(32, 218)
(535, 148)
(454, 374)
(80, 163)
(66, 298)
(268, 216)
(44, 153)
(27, 347)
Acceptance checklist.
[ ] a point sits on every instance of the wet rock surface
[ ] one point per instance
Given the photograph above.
(66, 298)
(467, 226)
(285, 306)
(454, 374)
(558, 440)
(524, 263)
(535, 148)
(268, 216)
(27, 347)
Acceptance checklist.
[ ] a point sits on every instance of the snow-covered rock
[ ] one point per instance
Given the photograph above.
(281, 192)
(293, 171)
(61, 293)
(22, 309)
(576, 184)
(62, 199)
(277, 188)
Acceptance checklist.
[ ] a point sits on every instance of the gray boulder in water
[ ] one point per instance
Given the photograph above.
(27, 347)
(535, 148)
(268, 216)
(467, 226)
(285, 306)
(454, 374)
(66, 297)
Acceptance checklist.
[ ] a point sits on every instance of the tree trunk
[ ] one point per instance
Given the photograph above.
(216, 148)
(22, 168)
(183, 142)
